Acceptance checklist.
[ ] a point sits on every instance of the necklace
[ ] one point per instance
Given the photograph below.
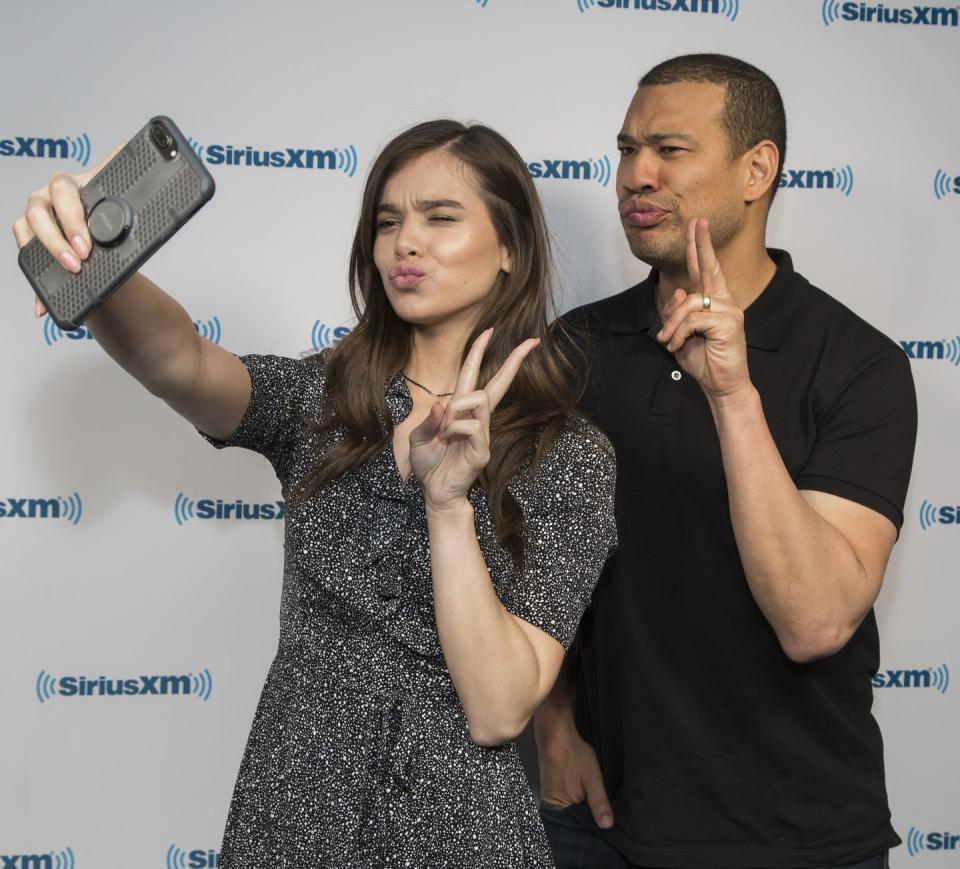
(424, 388)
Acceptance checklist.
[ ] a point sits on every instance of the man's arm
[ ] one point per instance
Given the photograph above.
(814, 561)
(569, 769)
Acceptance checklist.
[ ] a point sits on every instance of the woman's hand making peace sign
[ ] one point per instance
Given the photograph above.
(450, 448)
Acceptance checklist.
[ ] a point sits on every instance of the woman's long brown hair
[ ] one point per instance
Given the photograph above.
(520, 306)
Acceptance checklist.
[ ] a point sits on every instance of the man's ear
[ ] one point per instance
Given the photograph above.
(761, 163)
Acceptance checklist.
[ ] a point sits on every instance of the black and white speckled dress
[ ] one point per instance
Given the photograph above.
(359, 756)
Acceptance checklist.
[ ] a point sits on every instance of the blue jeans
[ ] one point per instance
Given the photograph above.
(576, 847)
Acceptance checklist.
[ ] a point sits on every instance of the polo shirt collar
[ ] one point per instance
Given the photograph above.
(766, 321)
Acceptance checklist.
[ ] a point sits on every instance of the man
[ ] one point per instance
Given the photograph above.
(716, 709)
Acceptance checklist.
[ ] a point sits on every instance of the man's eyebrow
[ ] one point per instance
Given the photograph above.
(422, 205)
(627, 139)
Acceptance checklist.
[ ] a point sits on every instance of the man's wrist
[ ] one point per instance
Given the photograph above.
(742, 399)
(554, 717)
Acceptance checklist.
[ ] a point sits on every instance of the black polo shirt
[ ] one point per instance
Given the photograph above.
(716, 749)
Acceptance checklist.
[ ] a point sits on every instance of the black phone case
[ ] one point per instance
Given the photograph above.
(161, 193)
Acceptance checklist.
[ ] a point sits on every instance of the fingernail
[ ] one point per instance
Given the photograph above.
(37, 308)
(80, 246)
(70, 262)
(605, 820)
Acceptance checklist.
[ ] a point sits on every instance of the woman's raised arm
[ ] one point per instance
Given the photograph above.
(141, 327)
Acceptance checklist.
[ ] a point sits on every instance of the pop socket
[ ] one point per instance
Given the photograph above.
(110, 220)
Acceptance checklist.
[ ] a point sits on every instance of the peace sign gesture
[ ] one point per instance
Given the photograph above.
(704, 328)
(450, 448)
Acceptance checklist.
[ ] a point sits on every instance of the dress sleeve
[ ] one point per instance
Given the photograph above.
(569, 530)
(865, 439)
(281, 391)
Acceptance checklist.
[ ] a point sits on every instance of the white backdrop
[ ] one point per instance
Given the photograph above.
(109, 568)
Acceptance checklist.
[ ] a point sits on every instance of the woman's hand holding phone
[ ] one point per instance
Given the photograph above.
(114, 218)
(55, 216)
(150, 192)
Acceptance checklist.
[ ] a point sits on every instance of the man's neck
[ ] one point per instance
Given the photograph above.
(748, 271)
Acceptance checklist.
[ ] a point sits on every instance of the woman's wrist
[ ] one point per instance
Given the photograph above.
(452, 511)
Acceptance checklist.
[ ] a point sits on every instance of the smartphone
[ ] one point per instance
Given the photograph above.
(151, 188)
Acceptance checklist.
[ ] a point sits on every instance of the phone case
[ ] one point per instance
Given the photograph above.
(144, 195)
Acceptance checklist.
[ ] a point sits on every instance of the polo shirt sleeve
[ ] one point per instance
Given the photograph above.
(279, 391)
(863, 450)
(569, 531)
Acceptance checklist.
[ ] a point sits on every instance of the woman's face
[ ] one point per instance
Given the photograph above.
(436, 247)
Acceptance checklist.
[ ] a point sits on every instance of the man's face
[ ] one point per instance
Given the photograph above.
(675, 164)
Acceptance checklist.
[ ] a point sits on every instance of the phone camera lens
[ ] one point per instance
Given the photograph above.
(161, 137)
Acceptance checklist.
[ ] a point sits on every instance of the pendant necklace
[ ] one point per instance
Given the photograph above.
(424, 388)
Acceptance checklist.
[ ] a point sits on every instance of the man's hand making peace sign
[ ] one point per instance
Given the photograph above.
(704, 328)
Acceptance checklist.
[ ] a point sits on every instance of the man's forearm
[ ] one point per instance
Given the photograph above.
(557, 709)
(803, 573)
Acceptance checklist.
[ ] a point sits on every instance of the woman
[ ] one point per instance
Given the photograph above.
(434, 572)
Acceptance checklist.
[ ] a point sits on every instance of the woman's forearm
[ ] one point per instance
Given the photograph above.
(150, 335)
(492, 662)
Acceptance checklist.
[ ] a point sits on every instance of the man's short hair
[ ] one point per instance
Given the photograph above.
(753, 108)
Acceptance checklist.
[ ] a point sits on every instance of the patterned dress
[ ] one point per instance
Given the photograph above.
(359, 756)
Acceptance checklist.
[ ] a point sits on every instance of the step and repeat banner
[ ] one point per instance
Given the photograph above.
(140, 570)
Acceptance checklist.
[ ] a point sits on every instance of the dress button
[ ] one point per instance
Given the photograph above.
(676, 374)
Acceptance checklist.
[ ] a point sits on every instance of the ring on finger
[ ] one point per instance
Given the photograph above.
(707, 304)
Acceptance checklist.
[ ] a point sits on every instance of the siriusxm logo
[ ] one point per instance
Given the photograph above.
(322, 335)
(885, 13)
(209, 329)
(728, 8)
(52, 334)
(918, 841)
(600, 170)
(819, 179)
(186, 685)
(199, 858)
(937, 678)
(69, 508)
(185, 509)
(947, 349)
(931, 515)
(342, 159)
(51, 860)
(944, 184)
(76, 148)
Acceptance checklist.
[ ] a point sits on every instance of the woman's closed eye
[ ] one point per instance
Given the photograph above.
(386, 223)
